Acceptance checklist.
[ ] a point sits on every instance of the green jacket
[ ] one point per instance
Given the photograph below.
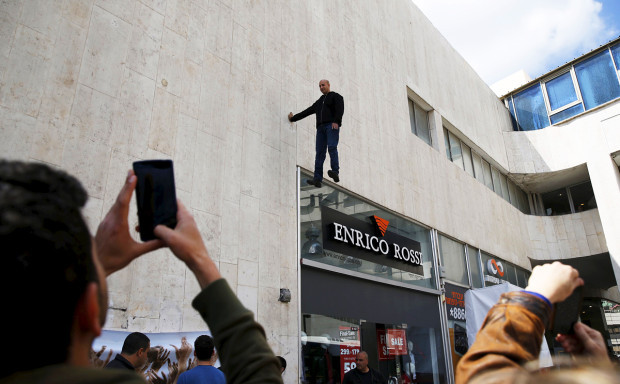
(240, 342)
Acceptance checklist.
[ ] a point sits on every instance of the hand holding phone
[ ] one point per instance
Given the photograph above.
(155, 195)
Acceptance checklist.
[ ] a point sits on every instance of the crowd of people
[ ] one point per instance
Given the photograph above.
(55, 284)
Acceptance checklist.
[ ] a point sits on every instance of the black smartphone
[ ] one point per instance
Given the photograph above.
(566, 313)
(156, 196)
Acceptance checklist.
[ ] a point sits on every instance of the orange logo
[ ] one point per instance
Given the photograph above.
(382, 224)
(495, 267)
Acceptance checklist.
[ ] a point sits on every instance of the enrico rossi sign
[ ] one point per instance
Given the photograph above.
(370, 240)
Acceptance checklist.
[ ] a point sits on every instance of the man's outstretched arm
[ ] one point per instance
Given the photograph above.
(303, 114)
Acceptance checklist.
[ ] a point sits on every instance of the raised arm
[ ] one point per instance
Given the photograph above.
(512, 332)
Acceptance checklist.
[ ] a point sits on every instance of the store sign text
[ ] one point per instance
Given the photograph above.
(369, 242)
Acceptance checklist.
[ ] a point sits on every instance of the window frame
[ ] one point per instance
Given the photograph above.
(413, 121)
(576, 88)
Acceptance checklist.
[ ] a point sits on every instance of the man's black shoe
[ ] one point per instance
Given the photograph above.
(316, 183)
(333, 175)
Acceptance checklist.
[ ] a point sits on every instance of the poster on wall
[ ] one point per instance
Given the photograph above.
(349, 348)
(391, 343)
(170, 355)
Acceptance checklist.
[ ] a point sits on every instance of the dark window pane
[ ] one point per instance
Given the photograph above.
(598, 80)
(445, 136)
(496, 186)
(412, 117)
(474, 267)
(421, 124)
(556, 202)
(455, 151)
(486, 168)
(561, 91)
(567, 113)
(478, 167)
(583, 197)
(469, 167)
(530, 108)
(453, 260)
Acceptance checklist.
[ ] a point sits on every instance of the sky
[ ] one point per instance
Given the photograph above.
(501, 37)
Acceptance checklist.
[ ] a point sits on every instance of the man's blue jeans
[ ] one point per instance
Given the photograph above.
(326, 140)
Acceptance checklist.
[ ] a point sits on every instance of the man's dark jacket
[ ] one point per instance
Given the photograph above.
(328, 108)
(120, 362)
(354, 376)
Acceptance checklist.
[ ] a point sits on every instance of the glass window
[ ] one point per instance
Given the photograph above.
(522, 277)
(477, 166)
(615, 52)
(561, 91)
(512, 192)
(419, 122)
(504, 185)
(474, 267)
(531, 109)
(597, 79)
(583, 197)
(326, 251)
(567, 113)
(556, 202)
(452, 256)
(486, 168)
(511, 108)
(455, 150)
(447, 141)
(496, 185)
(510, 273)
(467, 160)
(524, 203)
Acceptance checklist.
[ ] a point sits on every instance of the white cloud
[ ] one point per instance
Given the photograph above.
(499, 37)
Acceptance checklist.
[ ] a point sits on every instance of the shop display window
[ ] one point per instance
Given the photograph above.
(400, 352)
(361, 258)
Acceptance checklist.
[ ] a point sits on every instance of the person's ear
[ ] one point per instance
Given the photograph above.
(88, 310)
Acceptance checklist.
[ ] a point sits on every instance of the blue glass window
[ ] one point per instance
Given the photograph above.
(615, 52)
(561, 91)
(530, 108)
(565, 114)
(598, 80)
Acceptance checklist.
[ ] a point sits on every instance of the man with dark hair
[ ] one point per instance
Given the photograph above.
(204, 371)
(329, 109)
(134, 352)
(54, 282)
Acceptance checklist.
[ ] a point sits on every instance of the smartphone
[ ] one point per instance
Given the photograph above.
(566, 313)
(156, 196)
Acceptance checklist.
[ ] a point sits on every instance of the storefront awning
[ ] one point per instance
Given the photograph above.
(596, 270)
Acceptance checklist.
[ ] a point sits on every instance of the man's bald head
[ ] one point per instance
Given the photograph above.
(324, 86)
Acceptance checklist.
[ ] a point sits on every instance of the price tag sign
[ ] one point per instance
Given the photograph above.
(455, 302)
(349, 348)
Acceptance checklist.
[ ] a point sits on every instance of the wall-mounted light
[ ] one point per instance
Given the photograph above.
(285, 295)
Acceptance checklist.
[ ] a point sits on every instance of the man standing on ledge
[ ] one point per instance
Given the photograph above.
(329, 109)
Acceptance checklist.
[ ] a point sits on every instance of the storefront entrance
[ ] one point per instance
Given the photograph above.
(399, 328)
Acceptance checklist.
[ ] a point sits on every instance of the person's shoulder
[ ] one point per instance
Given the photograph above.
(66, 374)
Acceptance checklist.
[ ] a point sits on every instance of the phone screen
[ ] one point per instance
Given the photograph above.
(566, 313)
(155, 195)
